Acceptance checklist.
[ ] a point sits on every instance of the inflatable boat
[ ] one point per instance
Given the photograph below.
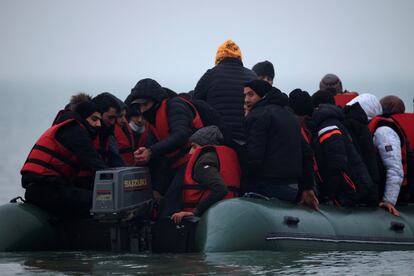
(230, 225)
(121, 220)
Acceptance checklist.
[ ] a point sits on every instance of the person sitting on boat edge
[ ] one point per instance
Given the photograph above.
(391, 145)
(275, 150)
(50, 174)
(211, 174)
(345, 178)
(300, 102)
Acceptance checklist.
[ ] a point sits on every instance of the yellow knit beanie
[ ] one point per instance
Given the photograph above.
(228, 49)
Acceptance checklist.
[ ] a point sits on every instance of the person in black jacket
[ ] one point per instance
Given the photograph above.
(345, 178)
(222, 88)
(65, 195)
(275, 150)
(173, 116)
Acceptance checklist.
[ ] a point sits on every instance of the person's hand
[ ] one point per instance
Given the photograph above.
(157, 196)
(142, 155)
(309, 198)
(177, 217)
(389, 207)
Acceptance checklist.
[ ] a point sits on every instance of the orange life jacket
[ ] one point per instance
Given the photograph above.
(125, 144)
(162, 130)
(343, 98)
(193, 192)
(144, 136)
(50, 158)
(395, 125)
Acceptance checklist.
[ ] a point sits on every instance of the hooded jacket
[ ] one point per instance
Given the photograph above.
(222, 88)
(345, 177)
(273, 141)
(356, 122)
(388, 146)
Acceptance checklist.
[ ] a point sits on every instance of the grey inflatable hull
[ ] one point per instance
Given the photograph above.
(257, 224)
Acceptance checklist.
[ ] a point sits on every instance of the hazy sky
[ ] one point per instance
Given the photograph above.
(109, 45)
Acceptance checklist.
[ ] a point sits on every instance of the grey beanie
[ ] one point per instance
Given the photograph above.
(210, 135)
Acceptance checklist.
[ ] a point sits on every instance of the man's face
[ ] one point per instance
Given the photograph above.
(145, 106)
(94, 120)
(250, 98)
(121, 119)
(109, 117)
(138, 120)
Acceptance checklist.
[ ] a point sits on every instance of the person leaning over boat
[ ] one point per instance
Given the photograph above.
(50, 172)
(67, 112)
(391, 145)
(222, 88)
(264, 71)
(275, 153)
(172, 121)
(106, 142)
(345, 178)
(211, 174)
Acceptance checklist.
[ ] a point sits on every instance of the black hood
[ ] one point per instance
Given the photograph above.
(273, 97)
(355, 112)
(327, 111)
(147, 89)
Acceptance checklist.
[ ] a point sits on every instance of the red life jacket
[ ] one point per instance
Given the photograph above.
(343, 98)
(125, 144)
(102, 149)
(144, 136)
(50, 158)
(394, 124)
(162, 131)
(193, 192)
(307, 135)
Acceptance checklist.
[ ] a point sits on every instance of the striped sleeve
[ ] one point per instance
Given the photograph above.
(328, 132)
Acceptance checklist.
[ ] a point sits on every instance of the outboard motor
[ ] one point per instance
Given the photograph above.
(122, 198)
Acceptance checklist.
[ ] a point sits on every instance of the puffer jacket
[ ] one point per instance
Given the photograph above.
(273, 141)
(222, 88)
(345, 176)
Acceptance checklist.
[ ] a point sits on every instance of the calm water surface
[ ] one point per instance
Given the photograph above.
(238, 263)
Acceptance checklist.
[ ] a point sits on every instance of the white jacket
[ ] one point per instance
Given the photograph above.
(388, 144)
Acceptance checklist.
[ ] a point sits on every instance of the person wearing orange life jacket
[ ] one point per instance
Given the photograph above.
(334, 84)
(50, 172)
(139, 126)
(345, 178)
(211, 174)
(391, 144)
(172, 121)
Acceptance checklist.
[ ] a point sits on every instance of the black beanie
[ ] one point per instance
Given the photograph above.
(264, 68)
(86, 109)
(210, 135)
(260, 87)
(323, 97)
(301, 102)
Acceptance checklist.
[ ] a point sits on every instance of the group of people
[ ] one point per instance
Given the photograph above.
(234, 133)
